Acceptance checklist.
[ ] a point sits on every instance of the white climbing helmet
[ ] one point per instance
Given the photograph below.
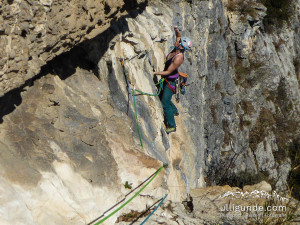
(186, 43)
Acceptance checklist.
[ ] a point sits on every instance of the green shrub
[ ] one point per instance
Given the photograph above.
(264, 123)
(242, 74)
(243, 7)
(243, 178)
(278, 11)
(127, 185)
(132, 216)
(247, 107)
(213, 109)
(294, 176)
(226, 140)
(296, 63)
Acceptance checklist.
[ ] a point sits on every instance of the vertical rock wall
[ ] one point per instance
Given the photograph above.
(69, 137)
(259, 116)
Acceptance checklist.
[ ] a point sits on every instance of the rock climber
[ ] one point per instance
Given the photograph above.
(173, 61)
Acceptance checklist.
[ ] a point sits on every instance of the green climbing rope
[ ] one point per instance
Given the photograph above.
(136, 119)
(157, 94)
(129, 200)
(135, 110)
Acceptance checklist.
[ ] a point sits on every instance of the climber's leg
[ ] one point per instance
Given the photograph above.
(167, 106)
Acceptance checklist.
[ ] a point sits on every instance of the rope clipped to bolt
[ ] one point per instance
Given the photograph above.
(135, 108)
(160, 83)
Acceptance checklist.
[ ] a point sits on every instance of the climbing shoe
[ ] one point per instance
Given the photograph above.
(170, 129)
(176, 114)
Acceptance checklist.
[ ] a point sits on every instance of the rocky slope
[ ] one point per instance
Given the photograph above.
(223, 205)
(69, 140)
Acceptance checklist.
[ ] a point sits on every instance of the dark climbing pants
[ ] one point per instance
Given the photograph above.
(169, 108)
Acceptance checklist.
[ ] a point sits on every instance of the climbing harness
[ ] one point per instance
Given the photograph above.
(154, 210)
(173, 89)
(180, 84)
(135, 195)
(178, 77)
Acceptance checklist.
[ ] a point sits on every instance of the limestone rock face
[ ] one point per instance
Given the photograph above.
(260, 132)
(69, 139)
(64, 149)
(34, 32)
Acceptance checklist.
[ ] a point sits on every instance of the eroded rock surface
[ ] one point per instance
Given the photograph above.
(69, 137)
(34, 32)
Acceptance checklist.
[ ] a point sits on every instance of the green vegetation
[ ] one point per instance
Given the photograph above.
(297, 65)
(247, 107)
(284, 125)
(169, 207)
(294, 176)
(242, 6)
(226, 140)
(278, 44)
(216, 64)
(281, 122)
(270, 95)
(244, 123)
(243, 178)
(127, 185)
(278, 12)
(267, 218)
(217, 87)
(132, 216)
(264, 124)
(242, 73)
(213, 110)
